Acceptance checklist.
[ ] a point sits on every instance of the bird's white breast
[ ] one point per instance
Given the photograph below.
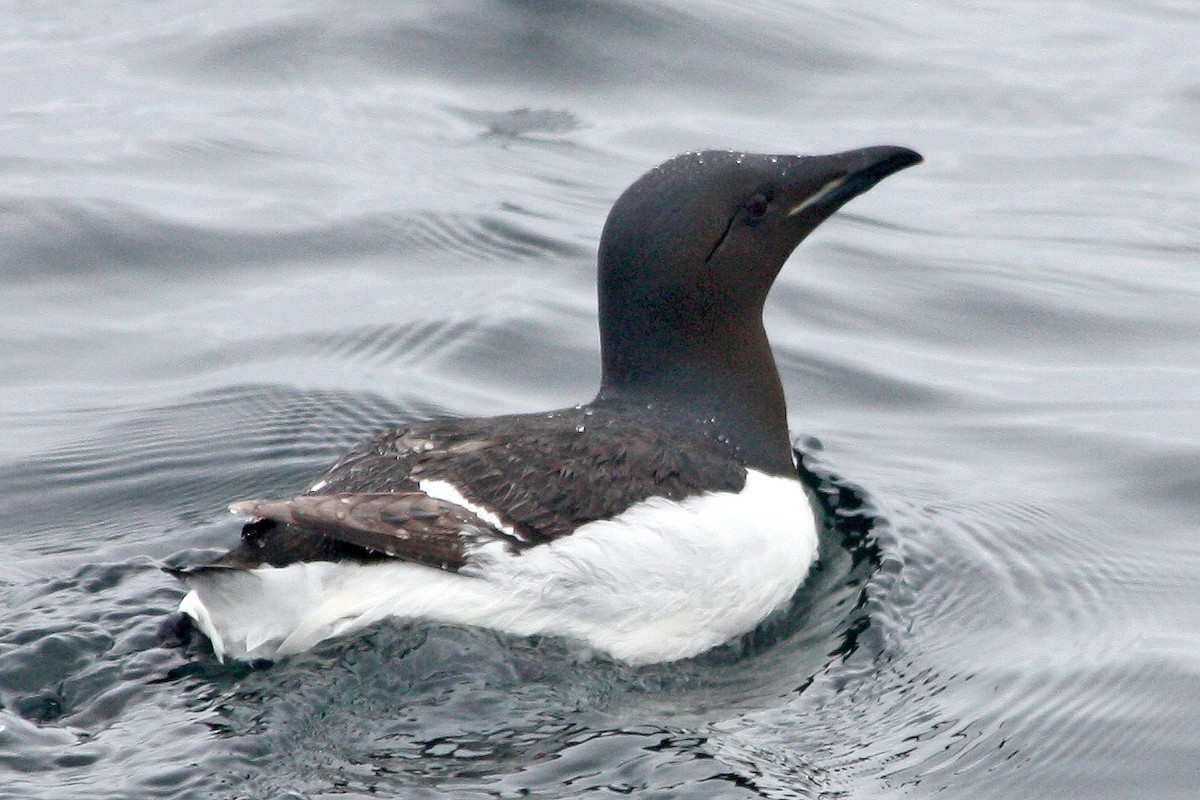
(664, 580)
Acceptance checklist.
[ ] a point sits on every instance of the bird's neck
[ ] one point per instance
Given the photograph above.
(724, 380)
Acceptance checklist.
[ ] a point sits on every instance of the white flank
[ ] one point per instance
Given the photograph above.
(665, 580)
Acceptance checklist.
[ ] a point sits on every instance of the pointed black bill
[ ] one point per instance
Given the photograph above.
(860, 170)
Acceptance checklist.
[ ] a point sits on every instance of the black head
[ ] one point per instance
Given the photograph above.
(687, 257)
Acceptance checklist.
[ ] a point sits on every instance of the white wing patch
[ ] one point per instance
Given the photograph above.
(444, 490)
(664, 580)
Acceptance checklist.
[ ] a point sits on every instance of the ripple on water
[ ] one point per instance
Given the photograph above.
(397, 347)
(77, 668)
(179, 464)
(940, 691)
(121, 240)
(493, 47)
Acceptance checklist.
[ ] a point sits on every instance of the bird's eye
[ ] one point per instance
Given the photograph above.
(757, 206)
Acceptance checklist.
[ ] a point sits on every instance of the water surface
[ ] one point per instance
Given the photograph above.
(234, 240)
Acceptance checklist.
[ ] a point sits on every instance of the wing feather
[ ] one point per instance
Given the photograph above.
(408, 525)
(541, 475)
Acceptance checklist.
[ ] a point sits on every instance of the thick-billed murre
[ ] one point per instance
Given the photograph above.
(661, 519)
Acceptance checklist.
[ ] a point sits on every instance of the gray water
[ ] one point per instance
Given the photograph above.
(235, 238)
